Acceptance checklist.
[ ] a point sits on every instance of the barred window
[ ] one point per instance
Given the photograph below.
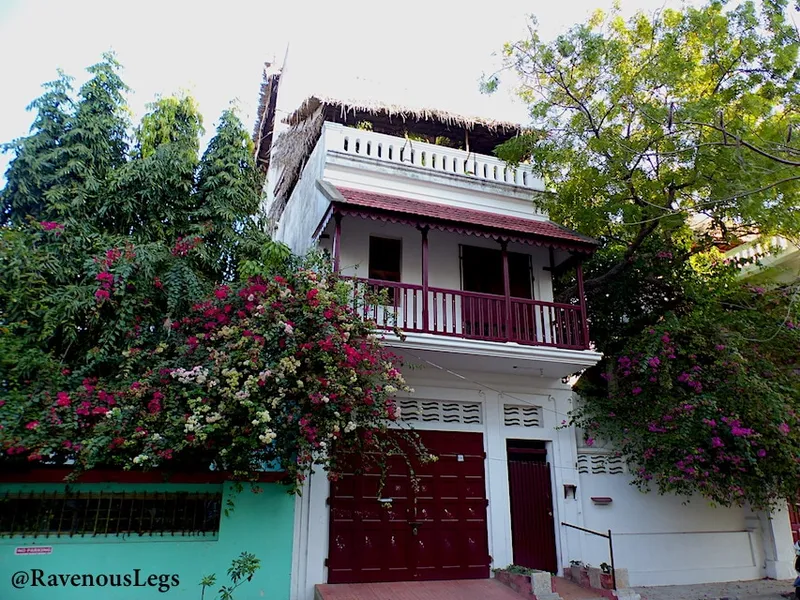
(46, 514)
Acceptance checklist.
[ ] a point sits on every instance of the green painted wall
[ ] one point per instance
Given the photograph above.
(260, 523)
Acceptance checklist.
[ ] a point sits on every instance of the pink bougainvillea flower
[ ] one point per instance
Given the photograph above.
(784, 428)
(32, 425)
(102, 295)
(50, 226)
(62, 399)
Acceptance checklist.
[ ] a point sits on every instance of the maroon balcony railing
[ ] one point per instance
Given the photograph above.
(471, 315)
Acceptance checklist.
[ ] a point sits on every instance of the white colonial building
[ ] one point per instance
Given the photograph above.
(413, 202)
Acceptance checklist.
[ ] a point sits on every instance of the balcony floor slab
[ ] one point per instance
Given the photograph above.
(451, 353)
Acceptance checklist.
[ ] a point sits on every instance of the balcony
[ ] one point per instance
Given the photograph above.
(471, 315)
(432, 157)
(774, 260)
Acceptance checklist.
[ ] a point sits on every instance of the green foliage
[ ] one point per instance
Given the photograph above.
(517, 570)
(241, 570)
(618, 109)
(149, 322)
(156, 223)
(664, 137)
(38, 158)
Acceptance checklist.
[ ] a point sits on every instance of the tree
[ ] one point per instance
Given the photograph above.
(146, 320)
(666, 137)
(37, 160)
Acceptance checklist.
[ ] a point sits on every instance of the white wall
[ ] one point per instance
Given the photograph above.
(665, 540)
(425, 185)
(306, 206)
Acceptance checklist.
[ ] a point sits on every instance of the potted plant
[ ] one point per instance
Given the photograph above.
(575, 570)
(516, 577)
(606, 580)
(584, 576)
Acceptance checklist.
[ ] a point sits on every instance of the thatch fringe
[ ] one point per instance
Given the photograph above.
(313, 103)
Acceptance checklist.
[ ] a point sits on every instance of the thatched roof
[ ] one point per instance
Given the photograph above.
(394, 119)
(293, 146)
(265, 122)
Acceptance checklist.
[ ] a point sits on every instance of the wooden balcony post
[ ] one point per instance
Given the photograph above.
(506, 288)
(424, 231)
(337, 241)
(582, 300)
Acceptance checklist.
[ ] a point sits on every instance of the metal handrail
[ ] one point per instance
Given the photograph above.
(610, 548)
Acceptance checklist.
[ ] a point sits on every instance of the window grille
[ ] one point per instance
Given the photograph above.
(434, 411)
(522, 416)
(46, 514)
(600, 464)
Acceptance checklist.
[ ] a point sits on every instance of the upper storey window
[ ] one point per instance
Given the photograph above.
(385, 258)
(482, 272)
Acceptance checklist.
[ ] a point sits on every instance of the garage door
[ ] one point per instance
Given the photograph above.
(437, 532)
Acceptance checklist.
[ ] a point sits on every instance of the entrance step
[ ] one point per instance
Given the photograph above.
(572, 591)
(462, 589)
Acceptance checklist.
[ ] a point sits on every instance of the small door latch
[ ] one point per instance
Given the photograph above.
(414, 527)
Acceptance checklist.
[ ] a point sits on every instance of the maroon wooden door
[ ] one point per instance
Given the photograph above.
(532, 529)
(794, 518)
(436, 532)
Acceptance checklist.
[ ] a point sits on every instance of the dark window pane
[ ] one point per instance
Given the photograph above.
(482, 271)
(519, 271)
(385, 257)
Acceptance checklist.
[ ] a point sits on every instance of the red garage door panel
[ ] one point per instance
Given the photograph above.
(437, 532)
(794, 518)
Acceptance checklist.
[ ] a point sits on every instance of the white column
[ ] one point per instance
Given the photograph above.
(568, 510)
(497, 485)
(776, 535)
(311, 538)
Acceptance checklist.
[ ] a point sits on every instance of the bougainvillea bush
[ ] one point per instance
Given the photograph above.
(148, 321)
(707, 401)
(270, 370)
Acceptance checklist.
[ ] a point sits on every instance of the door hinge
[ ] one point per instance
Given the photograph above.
(491, 560)
(483, 454)
(487, 502)
(327, 560)
(328, 501)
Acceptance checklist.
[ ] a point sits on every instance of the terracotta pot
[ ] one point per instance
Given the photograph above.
(521, 584)
(575, 574)
(584, 580)
(606, 581)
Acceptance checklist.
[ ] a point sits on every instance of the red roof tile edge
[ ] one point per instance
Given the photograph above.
(489, 224)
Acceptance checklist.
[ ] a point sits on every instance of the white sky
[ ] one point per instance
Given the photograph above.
(434, 52)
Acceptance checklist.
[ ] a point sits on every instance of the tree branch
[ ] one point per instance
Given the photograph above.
(741, 141)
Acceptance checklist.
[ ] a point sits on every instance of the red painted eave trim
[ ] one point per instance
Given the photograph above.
(59, 475)
(397, 209)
